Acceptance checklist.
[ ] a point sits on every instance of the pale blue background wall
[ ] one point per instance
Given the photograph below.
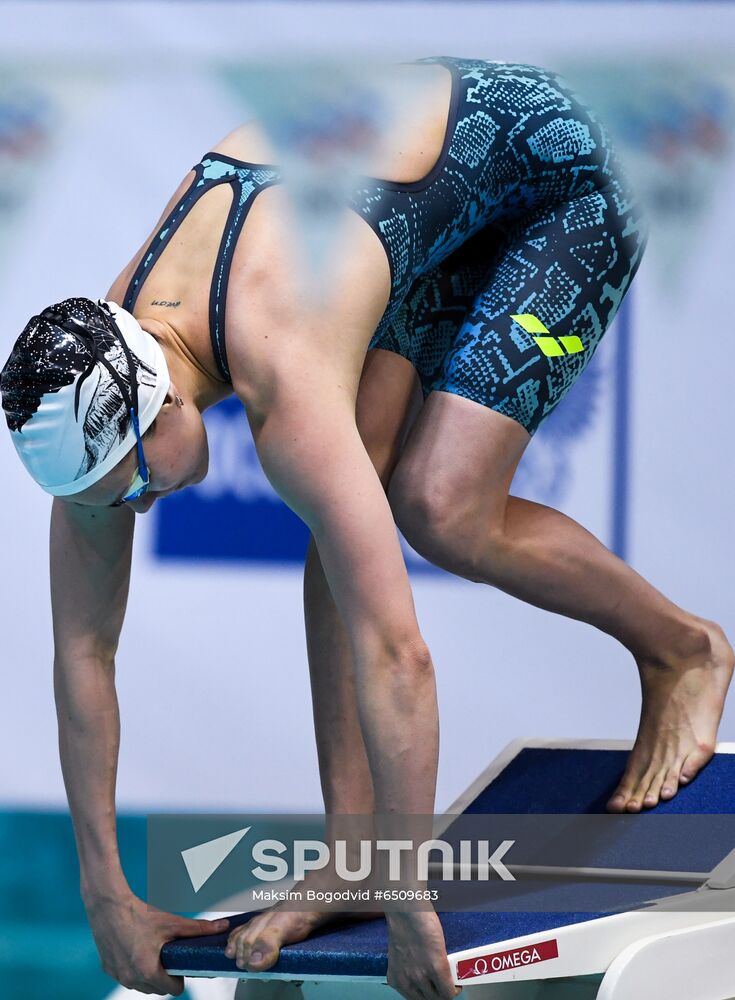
(132, 97)
(103, 107)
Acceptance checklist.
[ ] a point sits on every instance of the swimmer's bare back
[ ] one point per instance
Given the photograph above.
(263, 295)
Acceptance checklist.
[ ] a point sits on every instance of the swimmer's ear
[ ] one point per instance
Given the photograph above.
(169, 400)
(171, 397)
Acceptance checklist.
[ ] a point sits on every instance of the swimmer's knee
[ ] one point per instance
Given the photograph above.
(431, 512)
(446, 524)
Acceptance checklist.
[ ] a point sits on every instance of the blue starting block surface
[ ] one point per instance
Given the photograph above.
(359, 949)
(528, 778)
(580, 781)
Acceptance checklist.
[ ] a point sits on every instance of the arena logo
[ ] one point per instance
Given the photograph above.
(544, 339)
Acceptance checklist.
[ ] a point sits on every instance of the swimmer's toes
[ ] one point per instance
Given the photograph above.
(696, 760)
(616, 803)
(635, 802)
(628, 796)
(671, 783)
(264, 950)
(653, 795)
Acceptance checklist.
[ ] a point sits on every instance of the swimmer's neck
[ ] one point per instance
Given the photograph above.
(191, 380)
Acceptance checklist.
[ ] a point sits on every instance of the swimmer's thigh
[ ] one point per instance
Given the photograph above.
(388, 400)
(568, 268)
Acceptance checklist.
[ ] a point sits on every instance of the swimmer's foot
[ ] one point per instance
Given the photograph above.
(256, 945)
(682, 706)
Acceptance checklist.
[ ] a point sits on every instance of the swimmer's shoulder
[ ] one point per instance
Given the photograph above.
(249, 143)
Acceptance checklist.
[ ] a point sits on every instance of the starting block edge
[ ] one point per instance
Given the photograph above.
(288, 977)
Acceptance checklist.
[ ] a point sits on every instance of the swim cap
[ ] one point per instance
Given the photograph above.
(68, 389)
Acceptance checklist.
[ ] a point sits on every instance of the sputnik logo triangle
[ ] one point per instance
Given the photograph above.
(203, 860)
(552, 347)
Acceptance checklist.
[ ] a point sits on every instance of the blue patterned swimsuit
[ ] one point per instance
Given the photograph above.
(508, 260)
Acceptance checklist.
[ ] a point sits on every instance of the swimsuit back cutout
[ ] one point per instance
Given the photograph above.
(247, 181)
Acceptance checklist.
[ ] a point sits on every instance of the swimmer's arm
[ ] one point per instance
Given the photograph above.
(312, 453)
(90, 574)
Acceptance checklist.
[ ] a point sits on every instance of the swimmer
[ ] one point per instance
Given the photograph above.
(477, 279)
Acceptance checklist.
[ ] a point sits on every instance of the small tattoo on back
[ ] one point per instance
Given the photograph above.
(166, 303)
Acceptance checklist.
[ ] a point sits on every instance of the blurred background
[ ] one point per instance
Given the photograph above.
(104, 106)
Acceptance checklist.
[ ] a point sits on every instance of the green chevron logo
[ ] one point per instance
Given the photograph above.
(552, 347)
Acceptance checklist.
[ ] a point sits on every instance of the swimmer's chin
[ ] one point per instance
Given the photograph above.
(162, 496)
(143, 506)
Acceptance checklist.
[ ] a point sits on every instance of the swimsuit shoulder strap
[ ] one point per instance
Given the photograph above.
(247, 180)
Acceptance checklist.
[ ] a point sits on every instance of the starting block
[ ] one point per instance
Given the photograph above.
(670, 932)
